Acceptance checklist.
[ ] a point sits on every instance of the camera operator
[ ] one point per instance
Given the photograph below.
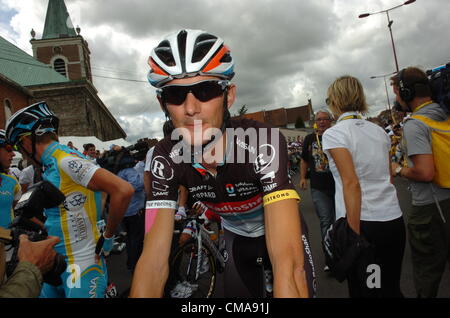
(428, 219)
(33, 130)
(35, 259)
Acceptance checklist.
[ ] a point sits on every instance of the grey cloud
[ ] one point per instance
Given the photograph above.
(276, 45)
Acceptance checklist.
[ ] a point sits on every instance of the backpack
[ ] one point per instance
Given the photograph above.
(440, 144)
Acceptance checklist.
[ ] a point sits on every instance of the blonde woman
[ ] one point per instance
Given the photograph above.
(358, 153)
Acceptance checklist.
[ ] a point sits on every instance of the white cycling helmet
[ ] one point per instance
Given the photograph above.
(188, 53)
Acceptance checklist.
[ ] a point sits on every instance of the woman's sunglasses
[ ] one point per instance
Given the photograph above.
(7, 147)
(203, 91)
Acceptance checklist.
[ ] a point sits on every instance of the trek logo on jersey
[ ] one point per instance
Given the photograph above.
(265, 157)
(230, 189)
(75, 201)
(161, 169)
(268, 177)
(160, 187)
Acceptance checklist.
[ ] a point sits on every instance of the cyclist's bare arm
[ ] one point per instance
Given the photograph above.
(283, 240)
(120, 193)
(183, 196)
(152, 268)
(147, 183)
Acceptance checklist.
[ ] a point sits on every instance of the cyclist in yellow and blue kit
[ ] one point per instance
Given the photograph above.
(34, 131)
(9, 186)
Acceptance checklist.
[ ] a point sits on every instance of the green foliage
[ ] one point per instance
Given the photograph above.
(299, 123)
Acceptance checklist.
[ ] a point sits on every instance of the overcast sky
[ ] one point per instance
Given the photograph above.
(285, 51)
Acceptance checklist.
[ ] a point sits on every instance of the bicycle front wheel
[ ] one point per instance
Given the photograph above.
(186, 278)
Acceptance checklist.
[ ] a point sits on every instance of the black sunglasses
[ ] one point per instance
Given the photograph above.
(7, 147)
(203, 91)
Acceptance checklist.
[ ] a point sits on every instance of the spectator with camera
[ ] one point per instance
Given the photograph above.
(33, 130)
(429, 218)
(35, 259)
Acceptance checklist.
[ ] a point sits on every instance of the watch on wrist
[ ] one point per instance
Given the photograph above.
(397, 170)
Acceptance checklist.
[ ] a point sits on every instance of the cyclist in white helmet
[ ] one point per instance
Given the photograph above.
(255, 198)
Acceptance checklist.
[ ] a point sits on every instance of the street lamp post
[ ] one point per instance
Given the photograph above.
(387, 94)
(364, 15)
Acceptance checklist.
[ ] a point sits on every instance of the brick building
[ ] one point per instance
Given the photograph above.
(284, 117)
(60, 74)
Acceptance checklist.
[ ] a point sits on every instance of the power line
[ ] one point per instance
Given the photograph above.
(101, 76)
(13, 53)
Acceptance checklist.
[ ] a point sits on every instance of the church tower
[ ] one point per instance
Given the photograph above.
(62, 47)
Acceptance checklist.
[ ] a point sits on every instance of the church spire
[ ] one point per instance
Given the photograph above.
(57, 21)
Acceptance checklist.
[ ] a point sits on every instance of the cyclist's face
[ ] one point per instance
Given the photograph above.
(195, 115)
(24, 147)
(6, 156)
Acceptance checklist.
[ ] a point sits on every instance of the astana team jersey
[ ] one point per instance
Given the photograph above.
(254, 174)
(75, 221)
(9, 192)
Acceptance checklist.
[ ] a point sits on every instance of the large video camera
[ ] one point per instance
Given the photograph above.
(125, 157)
(440, 85)
(40, 196)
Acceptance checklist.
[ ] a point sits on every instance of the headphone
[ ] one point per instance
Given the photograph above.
(407, 93)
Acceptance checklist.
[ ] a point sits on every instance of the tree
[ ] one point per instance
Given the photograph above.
(299, 123)
(243, 110)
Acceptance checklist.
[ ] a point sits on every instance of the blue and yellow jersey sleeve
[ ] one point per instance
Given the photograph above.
(9, 193)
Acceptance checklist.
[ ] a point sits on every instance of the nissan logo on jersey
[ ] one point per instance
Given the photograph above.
(161, 168)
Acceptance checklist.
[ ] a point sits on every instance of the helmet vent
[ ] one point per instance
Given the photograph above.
(164, 52)
(226, 58)
(202, 46)
(182, 48)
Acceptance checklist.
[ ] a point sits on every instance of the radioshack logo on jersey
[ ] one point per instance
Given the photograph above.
(230, 189)
(236, 207)
(161, 168)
